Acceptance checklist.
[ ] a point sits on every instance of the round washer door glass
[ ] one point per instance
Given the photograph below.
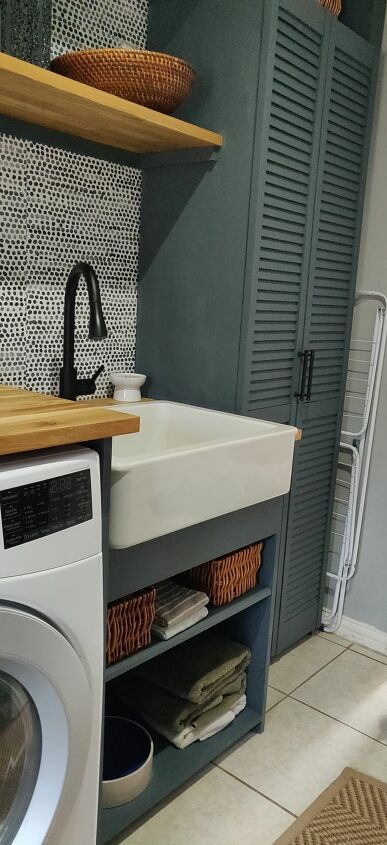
(20, 755)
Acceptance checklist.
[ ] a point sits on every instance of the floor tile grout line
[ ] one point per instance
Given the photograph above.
(313, 674)
(353, 648)
(277, 690)
(327, 637)
(376, 659)
(276, 704)
(344, 649)
(334, 719)
(257, 792)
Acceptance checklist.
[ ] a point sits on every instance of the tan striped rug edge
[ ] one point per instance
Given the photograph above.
(298, 827)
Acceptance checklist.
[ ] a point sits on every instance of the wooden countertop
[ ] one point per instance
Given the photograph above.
(30, 421)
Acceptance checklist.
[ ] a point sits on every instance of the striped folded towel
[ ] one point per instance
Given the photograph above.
(182, 625)
(175, 603)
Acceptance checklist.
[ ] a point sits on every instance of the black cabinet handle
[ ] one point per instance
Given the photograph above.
(310, 376)
(303, 356)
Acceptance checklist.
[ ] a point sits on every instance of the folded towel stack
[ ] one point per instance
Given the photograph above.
(192, 692)
(177, 608)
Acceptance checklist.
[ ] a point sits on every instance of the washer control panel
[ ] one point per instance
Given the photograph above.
(44, 507)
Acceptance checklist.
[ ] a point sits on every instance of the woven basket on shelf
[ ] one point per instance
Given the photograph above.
(129, 624)
(334, 6)
(150, 79)
(228, 577)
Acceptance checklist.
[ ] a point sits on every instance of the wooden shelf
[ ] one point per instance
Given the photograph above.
(42, 97)
(172, 767)
(215, 616)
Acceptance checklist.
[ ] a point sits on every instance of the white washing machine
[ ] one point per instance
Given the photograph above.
(51, 647)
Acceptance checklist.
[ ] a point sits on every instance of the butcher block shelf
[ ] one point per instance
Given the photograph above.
(30, 421)
(47, 99)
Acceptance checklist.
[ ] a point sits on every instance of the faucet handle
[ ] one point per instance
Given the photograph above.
(86, 386)
(98, 372)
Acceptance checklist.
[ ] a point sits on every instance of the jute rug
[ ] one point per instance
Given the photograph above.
(352, 811)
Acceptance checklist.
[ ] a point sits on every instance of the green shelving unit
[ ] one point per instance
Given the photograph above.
(247, 620)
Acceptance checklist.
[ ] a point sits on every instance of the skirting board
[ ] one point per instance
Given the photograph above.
(363, 634)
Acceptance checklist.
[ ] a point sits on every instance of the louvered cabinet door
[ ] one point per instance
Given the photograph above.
(338, 210)
(308, 518)
(289, 115)
(328, 318)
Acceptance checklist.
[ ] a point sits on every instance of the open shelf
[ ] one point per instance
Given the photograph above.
(172, 767)
(215, 615)
(47, 99)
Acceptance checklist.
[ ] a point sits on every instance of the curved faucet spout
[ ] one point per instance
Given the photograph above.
(70, 386)
(97, 326)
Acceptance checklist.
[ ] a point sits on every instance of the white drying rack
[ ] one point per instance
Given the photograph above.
(364, 375)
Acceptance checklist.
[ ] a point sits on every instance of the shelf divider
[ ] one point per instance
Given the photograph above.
(47, 99)
(215, 616)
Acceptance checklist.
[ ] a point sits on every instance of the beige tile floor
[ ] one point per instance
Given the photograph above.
(327, 706)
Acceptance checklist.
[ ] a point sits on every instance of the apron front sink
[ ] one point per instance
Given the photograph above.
(187, 465)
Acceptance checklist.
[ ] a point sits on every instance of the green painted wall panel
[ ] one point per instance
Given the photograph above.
(193, 236)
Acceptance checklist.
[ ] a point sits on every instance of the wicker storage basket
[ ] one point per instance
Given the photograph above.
(334, 6)
(129, 624)
(228, 577)
(155, 80)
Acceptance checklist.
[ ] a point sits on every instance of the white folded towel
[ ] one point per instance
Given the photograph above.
(172, 630)
(191, 734)
(219, 724)
(216, 726)
(239, 705)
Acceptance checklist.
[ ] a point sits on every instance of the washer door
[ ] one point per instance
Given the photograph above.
(44, 727)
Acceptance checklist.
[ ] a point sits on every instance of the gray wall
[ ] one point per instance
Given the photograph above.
(367, 596)
(57, 207)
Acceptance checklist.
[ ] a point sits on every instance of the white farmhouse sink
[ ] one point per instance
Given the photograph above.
(187, 465)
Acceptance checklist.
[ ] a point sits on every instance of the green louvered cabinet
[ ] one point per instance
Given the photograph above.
(249, 257)
(332, 265)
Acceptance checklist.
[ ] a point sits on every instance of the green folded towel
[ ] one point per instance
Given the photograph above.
(171, 713)
(157, 704)
(228, 684)
(205, 726)
(199, 668)
(237, 686)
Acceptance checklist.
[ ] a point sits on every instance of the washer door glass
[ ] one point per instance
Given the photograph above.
(20, 755)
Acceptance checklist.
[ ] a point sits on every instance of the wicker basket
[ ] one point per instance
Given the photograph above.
(155, 80)
(333, 6)
(228, 577)
(129, 624)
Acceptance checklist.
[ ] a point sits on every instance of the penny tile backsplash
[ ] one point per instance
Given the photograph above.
(58, 207)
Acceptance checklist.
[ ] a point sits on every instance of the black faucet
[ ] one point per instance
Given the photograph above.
(71, 386)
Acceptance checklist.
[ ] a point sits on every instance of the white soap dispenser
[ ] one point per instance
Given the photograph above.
(127, 386)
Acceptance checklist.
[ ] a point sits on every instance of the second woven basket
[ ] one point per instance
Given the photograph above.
(229, 577)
